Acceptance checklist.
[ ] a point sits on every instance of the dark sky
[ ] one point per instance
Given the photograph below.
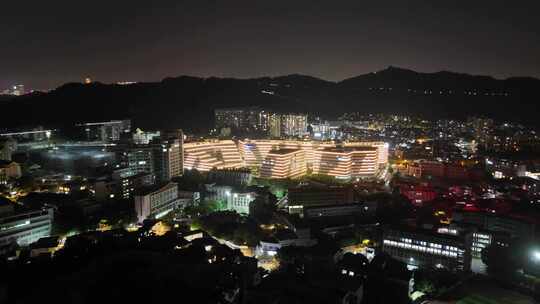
(46, 43)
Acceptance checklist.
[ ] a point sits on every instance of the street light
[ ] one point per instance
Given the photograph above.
(536, 256)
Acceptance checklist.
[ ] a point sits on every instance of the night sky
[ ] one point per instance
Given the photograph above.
(47, 43)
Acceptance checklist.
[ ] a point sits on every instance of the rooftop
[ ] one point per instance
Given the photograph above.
(349, 149)
(5, 163)
(284, 151)
(154, 188)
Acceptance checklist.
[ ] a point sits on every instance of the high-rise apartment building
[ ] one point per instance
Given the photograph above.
(163, 156)
(241, 119)
(287, 125)
(293, 125)
(168, 159)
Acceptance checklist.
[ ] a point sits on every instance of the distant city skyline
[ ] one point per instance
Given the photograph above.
(50, 43)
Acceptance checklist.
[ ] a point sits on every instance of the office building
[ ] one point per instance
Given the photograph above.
(239, 201)
(420, 248)
(139, 158)
(168, 159)
(481, 239)
(24, 228)
(163, 157)
(284, 163)
(156, 201)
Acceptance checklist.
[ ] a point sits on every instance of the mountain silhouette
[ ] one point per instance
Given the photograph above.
(188, 102)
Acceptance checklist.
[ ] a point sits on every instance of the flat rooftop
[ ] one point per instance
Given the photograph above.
(349, 149)
(284, 151)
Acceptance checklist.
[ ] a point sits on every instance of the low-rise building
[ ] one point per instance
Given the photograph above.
(425, 169)
(338, 210)
(234, 199)
(240, 201)
(156, 201)
(421, 248)
(418, 194)
(24, 228)
(314, 196)
(517, 226)
(283, 238)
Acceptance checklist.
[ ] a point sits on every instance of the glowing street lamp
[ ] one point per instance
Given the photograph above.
(536, 256)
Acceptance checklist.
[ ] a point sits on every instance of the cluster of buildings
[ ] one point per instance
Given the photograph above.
(256, 120)
(456, 246)
(288, 158)
(433, 159)
(106, 131)
(425, 169)
(162, 156)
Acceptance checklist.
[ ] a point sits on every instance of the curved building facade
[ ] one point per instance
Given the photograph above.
(288, 158)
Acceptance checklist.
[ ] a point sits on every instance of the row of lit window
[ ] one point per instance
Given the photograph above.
(421, 248)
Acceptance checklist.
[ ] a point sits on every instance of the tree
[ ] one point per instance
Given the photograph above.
(262, 210)
(216, 205)
(426, 287)
(357, 263)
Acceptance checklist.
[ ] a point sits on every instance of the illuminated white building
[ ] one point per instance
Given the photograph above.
(284, 163)
(365, 157)
(347, 162)
(155, 202)
(218, 154)
(240, 201)
(428, 249)
(24, 228)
